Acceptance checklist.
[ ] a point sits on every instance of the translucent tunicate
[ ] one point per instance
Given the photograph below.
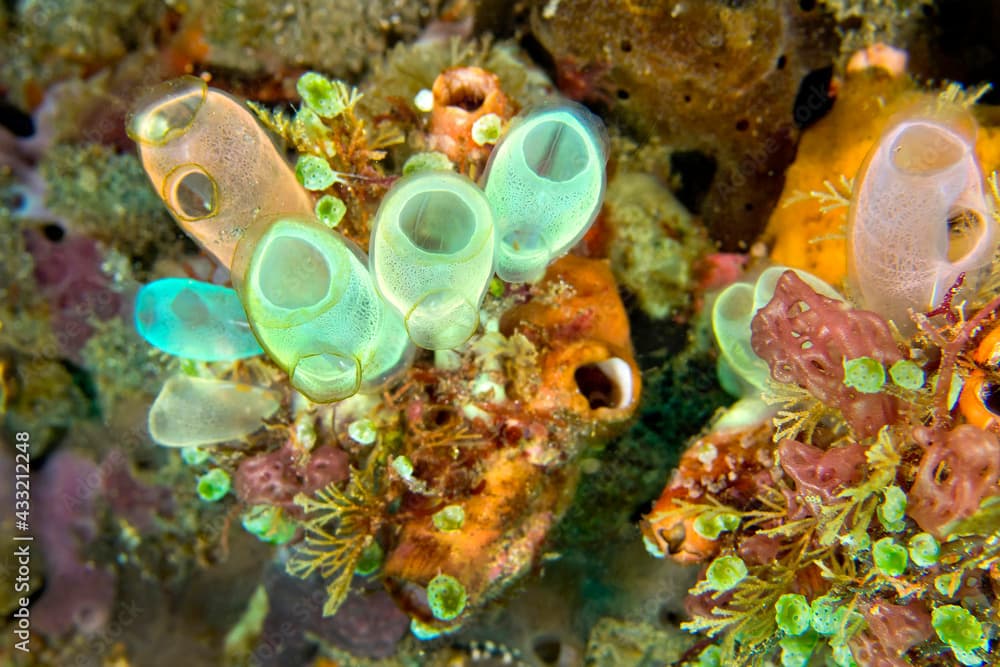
(545, 181)
(919, 216)
(432, 256)
(195, 320)
(312, 305)
(213, 165)
(192, 411)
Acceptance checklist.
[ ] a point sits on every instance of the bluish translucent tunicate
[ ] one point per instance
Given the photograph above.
(545, 182)
(432, 256)
(195, 320)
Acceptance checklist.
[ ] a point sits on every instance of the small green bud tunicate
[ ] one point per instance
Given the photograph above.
(892, 509)
(958, 628)
(268, 524)
(792, 613)
(710, 525)
(370, 560)
(363, 432)
(486, 129)
(890, 558)
(403, 467)
(448, 518)
(497, 287)
(446, 596)
(864, 374)
(924, 549)
(314, 173)
(710, 657)
(907, 374)
(842, 657)
(947, 584)
(330, 210)
(214, 485)
(826, 615)
(432, 161)
(319, 94)
(725, 572)
(194, 456)
(797, 649)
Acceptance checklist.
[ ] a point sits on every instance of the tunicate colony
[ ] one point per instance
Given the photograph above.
(335, 320)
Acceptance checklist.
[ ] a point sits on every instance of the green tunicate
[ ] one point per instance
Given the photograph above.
(432, 256)
(711, 525)
(826, 615)
(890, 558)
(403, 467)
(907, 374)
(797, 649)
(448, 518)
(330, 210)
(865, 374)
(960, 630)
(947, 584)
(892, 509)
(192, 411)
(214, 485)
(545, 182)
(841, 655)
(446, 597)
(314, 173)
(363, 431)
(924, 549)
(194, 456)
(313, 307)
(431, 161)
(710, 657)
(370, 560)
(487, 129)
(725, 573)
(792, 613)
(269, 524)
(319, 94)
(732, 313)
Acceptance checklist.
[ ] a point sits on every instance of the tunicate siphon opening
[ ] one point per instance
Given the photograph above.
(923, 149)
(605, 384)
(293, 273)
(167, 111)
(555, 151)
(990, 395)
(193, 193)
(438, 222)
(547, 649)
(327, 377)
(965, 228)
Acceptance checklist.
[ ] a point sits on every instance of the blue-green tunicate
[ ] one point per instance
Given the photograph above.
(195, 320)
(432, 256)
(545, 182)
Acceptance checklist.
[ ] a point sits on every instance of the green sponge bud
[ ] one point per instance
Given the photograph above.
(311, 303)
(269, 524)
(315, 173)
(447, 597)
(432, 161)
(826, 615)
(725, 573)
(792, 613)
(797, 649)
(449, 518)
(890, 558)
(320, 94)
(907, 374)
(487, 129)
(865, 374)
(960, 630)
(545, 181)
(330, 210)
(370, 560)
(924, 549)
(432, 256)
(214, 485)
(711, 525)
(892, 509)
